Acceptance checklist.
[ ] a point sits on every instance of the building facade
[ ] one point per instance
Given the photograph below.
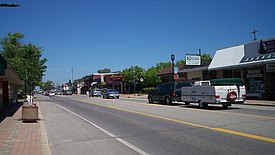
(108, 80)
(254, 62)
(9, 84)
(197, 73)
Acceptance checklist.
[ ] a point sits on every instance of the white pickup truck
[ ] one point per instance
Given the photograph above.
(219, 91)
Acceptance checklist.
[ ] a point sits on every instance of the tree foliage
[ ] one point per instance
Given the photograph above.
(104, 70)
(134, 72)
(25, 58)
(206, 57)
(47, 86)
(150, 77)
(161, 65)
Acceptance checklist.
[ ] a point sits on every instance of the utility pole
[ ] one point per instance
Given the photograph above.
(254, 34)
(72, 74)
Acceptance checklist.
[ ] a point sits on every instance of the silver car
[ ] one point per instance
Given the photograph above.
(110, 93)
(95, 92)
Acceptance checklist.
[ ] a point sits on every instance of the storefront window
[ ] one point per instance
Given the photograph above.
(255, 82)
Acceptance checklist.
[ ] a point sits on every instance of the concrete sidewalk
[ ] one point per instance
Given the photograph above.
(17, 137)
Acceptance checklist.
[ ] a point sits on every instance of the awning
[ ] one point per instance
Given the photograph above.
(227, 58)
(249, 54)
(12, 76)
(227, 81)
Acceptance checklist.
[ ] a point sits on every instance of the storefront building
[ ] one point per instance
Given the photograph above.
(9, 84)
(254, 62)
(197, 73)
(108, 80)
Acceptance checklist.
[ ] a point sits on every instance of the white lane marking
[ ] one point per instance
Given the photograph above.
(107, 132)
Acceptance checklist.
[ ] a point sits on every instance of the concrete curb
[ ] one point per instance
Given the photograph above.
(44, 139)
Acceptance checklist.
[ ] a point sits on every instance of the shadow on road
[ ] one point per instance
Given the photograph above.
(9, 110)
(195, 106)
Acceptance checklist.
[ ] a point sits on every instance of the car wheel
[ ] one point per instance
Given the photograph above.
(150, 100)
(117, 97)
(167, 100)
(202, 105)
(225, 106)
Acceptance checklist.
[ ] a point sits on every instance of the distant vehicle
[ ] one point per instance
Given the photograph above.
(95, 92)
(218, 91)
(110, 93)
(59, 93)
(167, 92)
(67, 92)
(51, 94)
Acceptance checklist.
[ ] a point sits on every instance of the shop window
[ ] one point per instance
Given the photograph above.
(227, 73)
(237, 73)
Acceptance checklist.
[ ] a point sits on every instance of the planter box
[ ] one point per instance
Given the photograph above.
(29, 113)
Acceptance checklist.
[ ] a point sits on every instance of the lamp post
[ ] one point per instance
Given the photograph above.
(173, 59)
(141, 80)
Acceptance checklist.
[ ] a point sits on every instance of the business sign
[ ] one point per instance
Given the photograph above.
(254, 73)
(194, 60)
(265, 47)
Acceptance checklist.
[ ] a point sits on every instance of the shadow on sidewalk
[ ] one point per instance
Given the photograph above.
(9, 110)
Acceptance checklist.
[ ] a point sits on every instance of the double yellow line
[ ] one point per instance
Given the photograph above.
(242, 134)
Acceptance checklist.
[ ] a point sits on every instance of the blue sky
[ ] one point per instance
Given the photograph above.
(88, 35)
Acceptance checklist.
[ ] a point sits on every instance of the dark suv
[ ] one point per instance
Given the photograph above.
(167, 92)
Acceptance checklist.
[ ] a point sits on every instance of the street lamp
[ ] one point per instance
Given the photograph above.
(173, 59)
(141, 80)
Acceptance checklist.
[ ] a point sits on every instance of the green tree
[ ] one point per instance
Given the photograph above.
(25, 59)
(180, 62)
(206, 57)
(150, 77)
(134, 72)
(47, 86)
(104, 70)
(161, 65)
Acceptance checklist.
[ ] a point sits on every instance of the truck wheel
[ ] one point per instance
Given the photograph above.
(150, 100)
(202, 105)
(167, 100)
(225, 106)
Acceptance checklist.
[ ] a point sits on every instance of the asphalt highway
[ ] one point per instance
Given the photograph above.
(92, 125)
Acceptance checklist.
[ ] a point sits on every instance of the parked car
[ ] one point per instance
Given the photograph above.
(167, 92)
(95, 92)
(68, 92)
(110, 93)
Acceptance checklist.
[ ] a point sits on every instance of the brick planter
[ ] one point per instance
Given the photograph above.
(29, 113)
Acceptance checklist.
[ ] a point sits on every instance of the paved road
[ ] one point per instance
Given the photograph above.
(106, 126)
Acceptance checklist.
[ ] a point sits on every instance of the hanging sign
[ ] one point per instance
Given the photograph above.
(194, 60)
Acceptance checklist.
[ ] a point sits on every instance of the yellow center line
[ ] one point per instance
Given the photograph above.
(222, 112)
(242, 134)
